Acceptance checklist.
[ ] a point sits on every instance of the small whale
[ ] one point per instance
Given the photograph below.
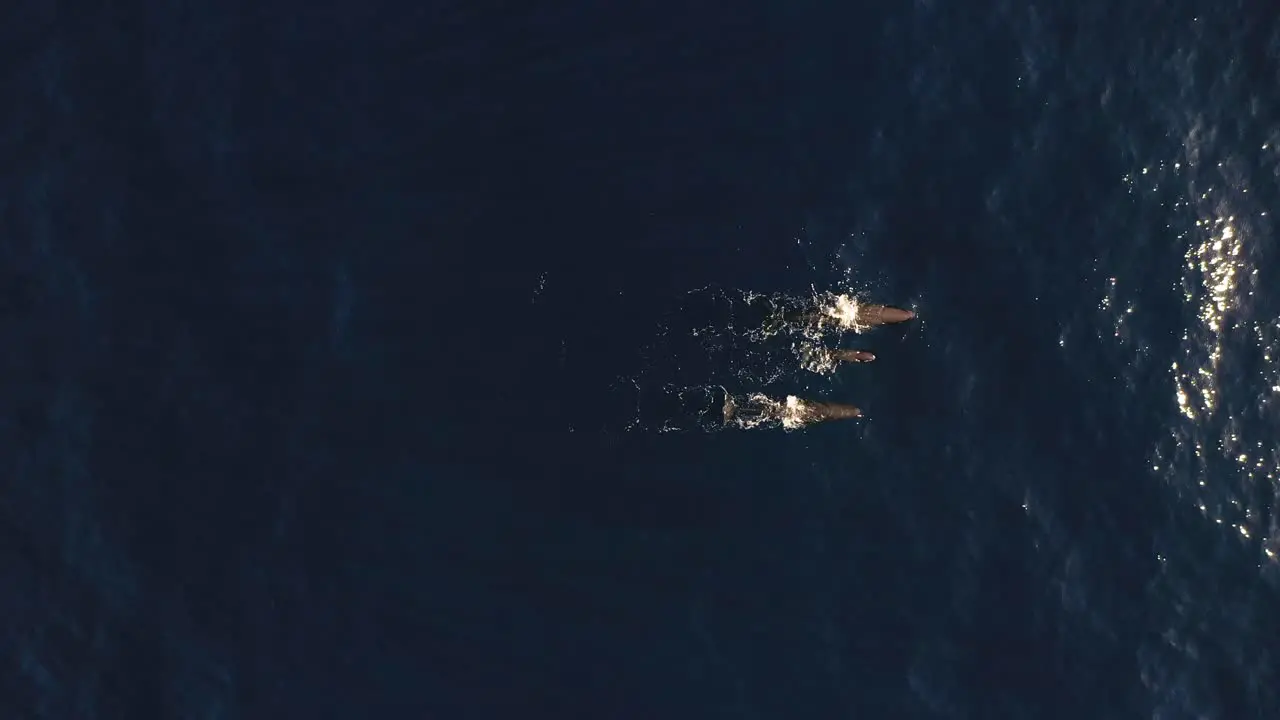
(858, 356)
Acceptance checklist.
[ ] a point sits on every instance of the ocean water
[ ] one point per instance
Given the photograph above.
(339, 342)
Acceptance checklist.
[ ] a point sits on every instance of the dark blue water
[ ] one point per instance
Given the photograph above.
(321, 328)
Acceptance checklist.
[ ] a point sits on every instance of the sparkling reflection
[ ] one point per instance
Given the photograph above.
(1225, 376)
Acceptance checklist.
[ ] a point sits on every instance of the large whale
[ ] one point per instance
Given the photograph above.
(791, 412)
(847, 316)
